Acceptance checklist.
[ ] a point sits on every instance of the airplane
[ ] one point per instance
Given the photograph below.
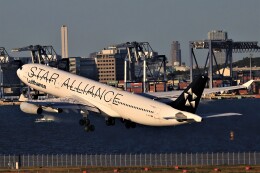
(169, 96)
(86, 95)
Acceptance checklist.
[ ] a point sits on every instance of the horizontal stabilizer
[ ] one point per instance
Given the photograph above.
(181, 119)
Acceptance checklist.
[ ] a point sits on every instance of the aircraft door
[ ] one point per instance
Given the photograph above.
(156, 112)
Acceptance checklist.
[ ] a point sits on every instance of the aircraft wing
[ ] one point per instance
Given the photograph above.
(172, 95)
(160, 95)
(66, 103)
(223, 89)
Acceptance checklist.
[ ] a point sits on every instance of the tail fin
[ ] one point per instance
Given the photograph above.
(189, 100)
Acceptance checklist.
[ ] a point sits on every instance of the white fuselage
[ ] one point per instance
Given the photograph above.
(109, 100)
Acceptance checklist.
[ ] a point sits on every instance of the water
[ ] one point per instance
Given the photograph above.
(19, 134)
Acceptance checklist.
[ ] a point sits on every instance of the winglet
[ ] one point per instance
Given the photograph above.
(22, 98)
(247, 84)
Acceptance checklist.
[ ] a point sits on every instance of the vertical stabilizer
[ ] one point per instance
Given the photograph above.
(189, 100)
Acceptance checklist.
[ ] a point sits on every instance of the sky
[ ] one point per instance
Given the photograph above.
(96, 24)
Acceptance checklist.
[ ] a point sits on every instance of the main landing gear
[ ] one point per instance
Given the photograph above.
(128, 124)
(110, 121)
(86, 123)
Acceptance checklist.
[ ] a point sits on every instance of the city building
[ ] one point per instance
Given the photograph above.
(74, 65)
(176, 53)
(9, 81)
(64, 41)
(220, 54)
(88, 68)
(110, 64)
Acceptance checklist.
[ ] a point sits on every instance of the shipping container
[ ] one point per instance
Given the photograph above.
(217, 83)
(136, 84)
(243, 92)
(183, 85)
(137, 90)
(152, 88)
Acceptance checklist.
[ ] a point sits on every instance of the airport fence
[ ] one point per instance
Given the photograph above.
(129, 160)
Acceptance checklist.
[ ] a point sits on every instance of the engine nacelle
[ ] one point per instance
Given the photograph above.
(49, 109)
(30, 108)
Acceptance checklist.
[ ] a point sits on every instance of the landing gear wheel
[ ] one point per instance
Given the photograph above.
(113, 121)
(87, 121)
(81, 122)
(86, 129)
(133, 125)
(110, 122)
(107, 123)
(128, 125)
(84, 121)
(89, 128)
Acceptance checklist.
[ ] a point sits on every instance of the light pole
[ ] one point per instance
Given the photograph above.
(1, 83)
(251, 55)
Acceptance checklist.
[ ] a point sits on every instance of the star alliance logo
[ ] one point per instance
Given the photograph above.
(193, 97)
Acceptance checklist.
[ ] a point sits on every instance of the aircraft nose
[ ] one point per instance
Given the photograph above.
(18, 72)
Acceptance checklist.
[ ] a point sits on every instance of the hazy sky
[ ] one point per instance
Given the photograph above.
(95, 24)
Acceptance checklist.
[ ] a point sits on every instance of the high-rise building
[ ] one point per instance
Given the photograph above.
(176, 53)
(64, 41)
(218, 35)
(110, 64)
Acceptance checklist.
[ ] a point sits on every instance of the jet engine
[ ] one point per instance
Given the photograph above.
(53, 110)
(30, 108)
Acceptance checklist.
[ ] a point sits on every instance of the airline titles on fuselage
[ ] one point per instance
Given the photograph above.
(33, 82)
(73, 85)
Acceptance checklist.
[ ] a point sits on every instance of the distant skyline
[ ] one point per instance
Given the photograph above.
(94, 25)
